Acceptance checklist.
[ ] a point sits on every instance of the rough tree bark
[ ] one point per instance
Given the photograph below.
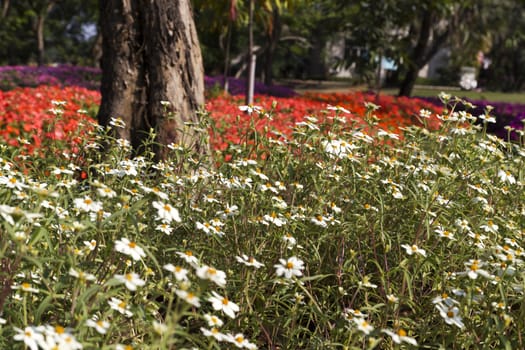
(151, 55)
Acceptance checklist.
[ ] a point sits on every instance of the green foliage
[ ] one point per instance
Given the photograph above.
(358, 234)
(505, 47)
(64, 31)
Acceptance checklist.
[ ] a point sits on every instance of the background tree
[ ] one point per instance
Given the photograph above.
(435, 24)
(16, 40)
(42, 31)
(220, 36)
(506, 51)
(225, 39)
(152, 72)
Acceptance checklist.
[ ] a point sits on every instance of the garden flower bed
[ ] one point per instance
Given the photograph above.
(27, 116)
(336, 221)
(338, 237)
(508, 114)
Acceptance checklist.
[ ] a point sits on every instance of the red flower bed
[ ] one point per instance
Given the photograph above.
(26, 118)
(25, 114)
(394, 112)
(232, 124)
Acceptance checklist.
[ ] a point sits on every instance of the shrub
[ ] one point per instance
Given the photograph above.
(341, 236)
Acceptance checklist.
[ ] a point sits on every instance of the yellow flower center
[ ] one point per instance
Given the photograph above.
(225, 301)
(289, 265)
(401, 333)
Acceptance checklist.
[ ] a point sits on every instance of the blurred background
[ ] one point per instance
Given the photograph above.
(397, 44)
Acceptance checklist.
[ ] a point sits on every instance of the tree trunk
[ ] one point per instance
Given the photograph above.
(39, 31)
(152, 73)
(407, 85)
(40, 40)
(316, 65)
(273, 36)
(428, 43)
(5, 9)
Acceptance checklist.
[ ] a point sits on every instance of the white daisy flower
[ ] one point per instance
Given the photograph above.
(215, 333)
(180, 273)
(400, 336)
(30, 336)
(450, 315)
(120, 306)
(188, 297)
(220, 303)
(189, 257)
(213, 321)
(249, 261)
(363, 325)
(86, 204)
(290, 267)
(414, 249)
(127, 247)
(166, 212)
(131, 280)
(209, 273)
(100, 326)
